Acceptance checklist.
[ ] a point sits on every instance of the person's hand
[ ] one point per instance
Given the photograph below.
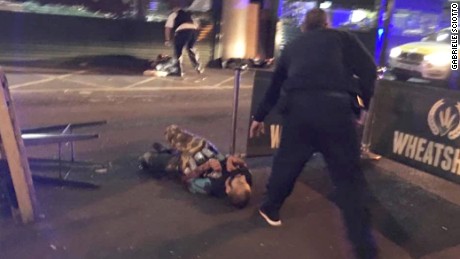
(168, 43)
(215, 165)
(234, 162)
(362, 118)
(256, 129)
(191, 175)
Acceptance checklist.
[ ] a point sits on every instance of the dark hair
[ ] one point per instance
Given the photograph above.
(315, 19)
(240, 201)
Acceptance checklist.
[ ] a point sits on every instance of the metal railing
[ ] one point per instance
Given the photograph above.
(236, 91)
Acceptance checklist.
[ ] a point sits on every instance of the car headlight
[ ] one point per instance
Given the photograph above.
(438, 59)
(395, 52)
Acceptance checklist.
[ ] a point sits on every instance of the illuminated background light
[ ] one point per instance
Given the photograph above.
(358, 15)
(380, 32)
(234, 28)
(325, 5)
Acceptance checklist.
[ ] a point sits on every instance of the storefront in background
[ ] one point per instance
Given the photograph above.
(148, 10)
(410, 37)
(410, 20)
(359, 17)
(99, 23)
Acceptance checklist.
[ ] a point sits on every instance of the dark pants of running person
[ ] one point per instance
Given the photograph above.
(324, 121)
(187, 39)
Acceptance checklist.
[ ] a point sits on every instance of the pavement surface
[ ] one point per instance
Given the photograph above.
(133, 215)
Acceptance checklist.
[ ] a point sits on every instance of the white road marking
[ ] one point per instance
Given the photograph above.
(45, 80)
(180, 80)
(118, 89)
(180, 85)
(229, 79)
(82, 83)
(141, 82)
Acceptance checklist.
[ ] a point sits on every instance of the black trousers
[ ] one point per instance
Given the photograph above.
(324, 122)
(187, 39)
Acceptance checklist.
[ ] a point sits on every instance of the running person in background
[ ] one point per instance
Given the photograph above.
(184, 31)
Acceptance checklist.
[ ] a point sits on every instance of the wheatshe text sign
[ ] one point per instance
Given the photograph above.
(268, 143)
(418, 126)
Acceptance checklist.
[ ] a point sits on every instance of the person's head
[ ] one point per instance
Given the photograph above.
(238, 190)
(315, 19)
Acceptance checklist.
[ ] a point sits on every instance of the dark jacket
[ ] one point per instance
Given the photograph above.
(181, 18)
(321, 60)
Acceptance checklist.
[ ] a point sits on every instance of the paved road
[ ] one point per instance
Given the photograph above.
(135, 216)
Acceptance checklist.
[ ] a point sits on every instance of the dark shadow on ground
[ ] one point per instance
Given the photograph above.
(97, 64)
(119, 179)
(193, 245)
(413, 218)
(174, 189)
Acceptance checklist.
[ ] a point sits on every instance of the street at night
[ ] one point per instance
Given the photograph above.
(91, 86)
(133, 215)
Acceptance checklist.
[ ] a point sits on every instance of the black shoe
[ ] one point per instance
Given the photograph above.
(370, 252)
(272, 217)
(176, 74)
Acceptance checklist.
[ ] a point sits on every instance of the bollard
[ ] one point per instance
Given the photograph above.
(366, 138)
(236, 92)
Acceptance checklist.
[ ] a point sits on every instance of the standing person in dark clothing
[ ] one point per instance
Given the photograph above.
(185, 31)
(315, 72)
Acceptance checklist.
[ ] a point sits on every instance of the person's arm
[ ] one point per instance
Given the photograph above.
(199, 185)
(273, 92)
(234, 163)
(200, 170)
(168, 34)
(363, 65)
(195, 183)
(197, 172)
(169, 26)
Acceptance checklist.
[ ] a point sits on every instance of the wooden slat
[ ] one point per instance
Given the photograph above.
(252, 31)
(13, 147)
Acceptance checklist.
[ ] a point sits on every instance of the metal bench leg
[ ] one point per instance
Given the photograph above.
(60, 160)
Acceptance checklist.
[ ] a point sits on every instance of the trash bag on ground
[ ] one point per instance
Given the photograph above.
(163, 66)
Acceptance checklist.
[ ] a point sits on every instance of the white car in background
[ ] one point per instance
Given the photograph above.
(428, 59)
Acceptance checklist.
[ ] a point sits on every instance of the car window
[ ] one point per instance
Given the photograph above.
(442, 36)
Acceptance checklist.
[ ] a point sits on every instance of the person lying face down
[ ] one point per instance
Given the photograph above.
(201, 167)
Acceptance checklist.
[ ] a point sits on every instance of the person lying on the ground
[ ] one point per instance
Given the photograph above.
(200, 166)
(234, 182)
(193, 149)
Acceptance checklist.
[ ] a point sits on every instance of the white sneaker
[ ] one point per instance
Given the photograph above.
(272, 222)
